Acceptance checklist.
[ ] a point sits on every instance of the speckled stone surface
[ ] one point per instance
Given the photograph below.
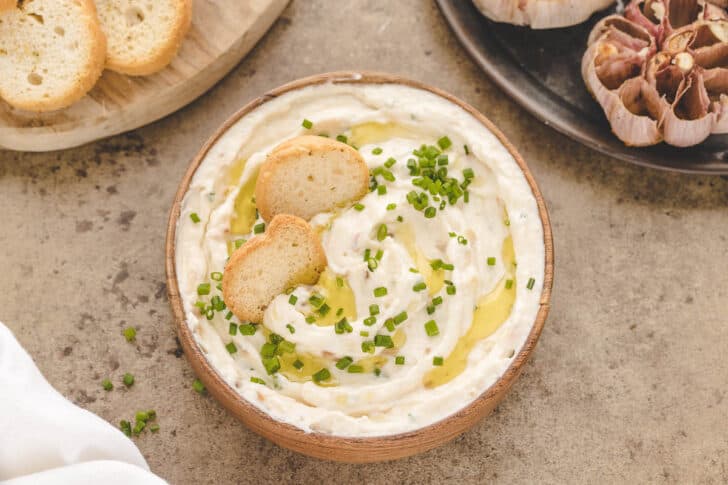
(629, 380)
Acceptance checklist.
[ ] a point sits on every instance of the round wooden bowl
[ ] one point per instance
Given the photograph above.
(348, 449)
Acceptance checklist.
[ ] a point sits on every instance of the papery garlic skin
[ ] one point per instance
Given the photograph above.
(677, 91)
(541, 14)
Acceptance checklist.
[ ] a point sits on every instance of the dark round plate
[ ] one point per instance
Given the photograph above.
(540, 70)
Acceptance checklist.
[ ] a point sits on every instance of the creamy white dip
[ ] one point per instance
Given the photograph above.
(397, 119)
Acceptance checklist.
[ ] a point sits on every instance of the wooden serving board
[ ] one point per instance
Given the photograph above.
(222, 32)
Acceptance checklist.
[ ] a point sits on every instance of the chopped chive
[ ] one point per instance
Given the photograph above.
(380, 291)
(444, 143)
(462, 240)
(359, 207)
(389, 324)
(437, 300)
(239, 242)
(272, 365)
(382, 232)
(430, 212)
(125, 427)
(231, 348)
(203, 289)
(292, 299)
(344, 362)
(322, 375)
(257, 380)
(216, 276)
(467, 150)
(195, 218)
(228, 315)
(217, 303)
(259, 228)
(451, 234)
(247, 329)
(491, 261)
(342, 138)
(233, 329)
(298, 364)
(363, 333)
(310, 319)
(430, 309)
(316, 300)
(431, 328)
(268, 350)
(400, 318)
(154, 428)
(198, 386)
(355, 369)
(369, 321)
(339, 282)
(372, 264)
(128, 379)
(339, 312)
(324, 309)
(391, 207)
(107, 385)
(383, 341)
(509, 284)
(287, 347)
(367, 254)
(343, 326)
(419, 286)
(308, 124)
(291, 328)
(379, 254)
(382, 189)
(468, 173)
(377, 151)
(437, 361)
(530, 284)
(377, 371)
(399, 360)
(129, 334)
(390, 162)
(414, 270)
(367, 346)
(400, 218)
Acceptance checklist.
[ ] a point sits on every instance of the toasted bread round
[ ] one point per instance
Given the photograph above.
(143, 36)
(52, 53)
(289, 253)
(7, 4)
(309, 175)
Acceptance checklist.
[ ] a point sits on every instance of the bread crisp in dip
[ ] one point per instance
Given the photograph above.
(433, 278)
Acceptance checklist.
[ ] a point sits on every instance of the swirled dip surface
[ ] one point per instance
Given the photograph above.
(480, 260)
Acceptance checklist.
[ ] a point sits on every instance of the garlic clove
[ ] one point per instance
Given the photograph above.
(541, 14)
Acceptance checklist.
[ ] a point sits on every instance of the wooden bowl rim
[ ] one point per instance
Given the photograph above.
(265, 425)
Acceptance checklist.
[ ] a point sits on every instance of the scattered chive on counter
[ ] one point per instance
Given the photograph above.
(198, 386)
(107, 385)
(129, 334)
(128, 379)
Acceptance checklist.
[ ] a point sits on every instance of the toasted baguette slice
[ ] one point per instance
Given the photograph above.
(51, 53)
(7, 4)
(289, 253)
(143, 35)
(308, 175)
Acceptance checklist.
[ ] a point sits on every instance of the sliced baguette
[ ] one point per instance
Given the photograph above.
(289, 253)
(51, 53)
(308, 175)
(144, 35)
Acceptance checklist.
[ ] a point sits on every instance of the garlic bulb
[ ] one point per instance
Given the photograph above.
(541, 14)
(660, 72)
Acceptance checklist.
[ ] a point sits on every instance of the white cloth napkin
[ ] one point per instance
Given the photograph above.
(45, 439)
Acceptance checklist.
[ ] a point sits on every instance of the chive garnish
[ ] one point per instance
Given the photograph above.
(363, 333)
(430, 212)
(339, 282)
(400, 218)
(382, 189)
(380, 291)
(355, 369)
(233, 329)
(129, 334)
(298, 364)
(259, 228)
(419, 286)
(369, 321)
(444, 143)
(389, 324)
(231, 348)
(509, 284)
(399, 360)
(372, 264)
(125, 427)
(339, 312)
(291, 328)
(322, 375)
(344, 362)
(268, 350)
(257, 380)
(247, 329)
(391, 207)
(272, 365)
(462, 240)
(128, 379)
(286, 347)
(324, 309)
(359, 207)
(203, 289)
(308, 124)
(437, 300)
(377, 151)
(198, 386)
(383, 341)
(107, 385)
(343, 326)
(292, 299)
(367, 346)
(390, 162)
(382, 232)
(195, 218)
(437, 361)
(379, 254)
(468, 173)
(401, 317)
(316, 300)
(491, 261)
(467, 150)
(239, 242)
(530, 284)
(430, 309)
(310, 319)
(342, 138)
(377, 371)
(431, 328)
